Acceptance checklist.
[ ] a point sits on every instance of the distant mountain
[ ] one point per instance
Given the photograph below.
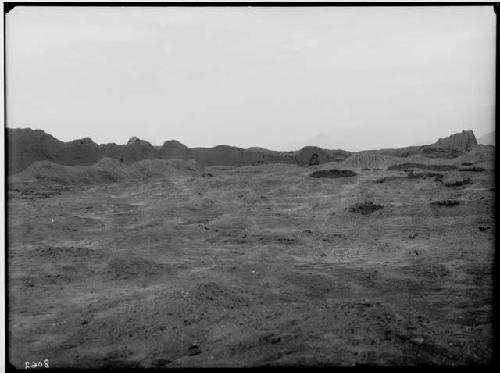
(487, 139)
(26, 146)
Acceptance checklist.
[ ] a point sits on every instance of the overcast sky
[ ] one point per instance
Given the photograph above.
(354, 78)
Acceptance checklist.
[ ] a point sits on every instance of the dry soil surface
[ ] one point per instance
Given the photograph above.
(254, 266)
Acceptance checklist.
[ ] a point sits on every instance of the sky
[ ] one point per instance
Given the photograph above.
(274, 77)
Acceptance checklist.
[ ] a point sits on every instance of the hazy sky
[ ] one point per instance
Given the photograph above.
(355, 78)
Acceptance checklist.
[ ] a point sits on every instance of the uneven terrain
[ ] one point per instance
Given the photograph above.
(253, 265)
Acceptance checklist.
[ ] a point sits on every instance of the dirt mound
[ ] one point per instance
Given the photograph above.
(333, 173)
(402, 152)
(364, 208)
(432, 151)
(165, 167)
(44, 171)
(421, 166)
(370, 159)
(463, 141)
(182, 164)
(107, 170)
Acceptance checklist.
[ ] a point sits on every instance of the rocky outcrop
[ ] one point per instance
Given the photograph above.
(463, 141)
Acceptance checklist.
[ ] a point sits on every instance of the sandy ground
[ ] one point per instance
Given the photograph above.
(255, 266)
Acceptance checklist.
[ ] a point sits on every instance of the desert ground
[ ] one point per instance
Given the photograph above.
(254, 266)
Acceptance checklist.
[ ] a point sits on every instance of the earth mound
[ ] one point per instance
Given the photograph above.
(433, 151)
(164, 167)
(370, 159)
(106, 170)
